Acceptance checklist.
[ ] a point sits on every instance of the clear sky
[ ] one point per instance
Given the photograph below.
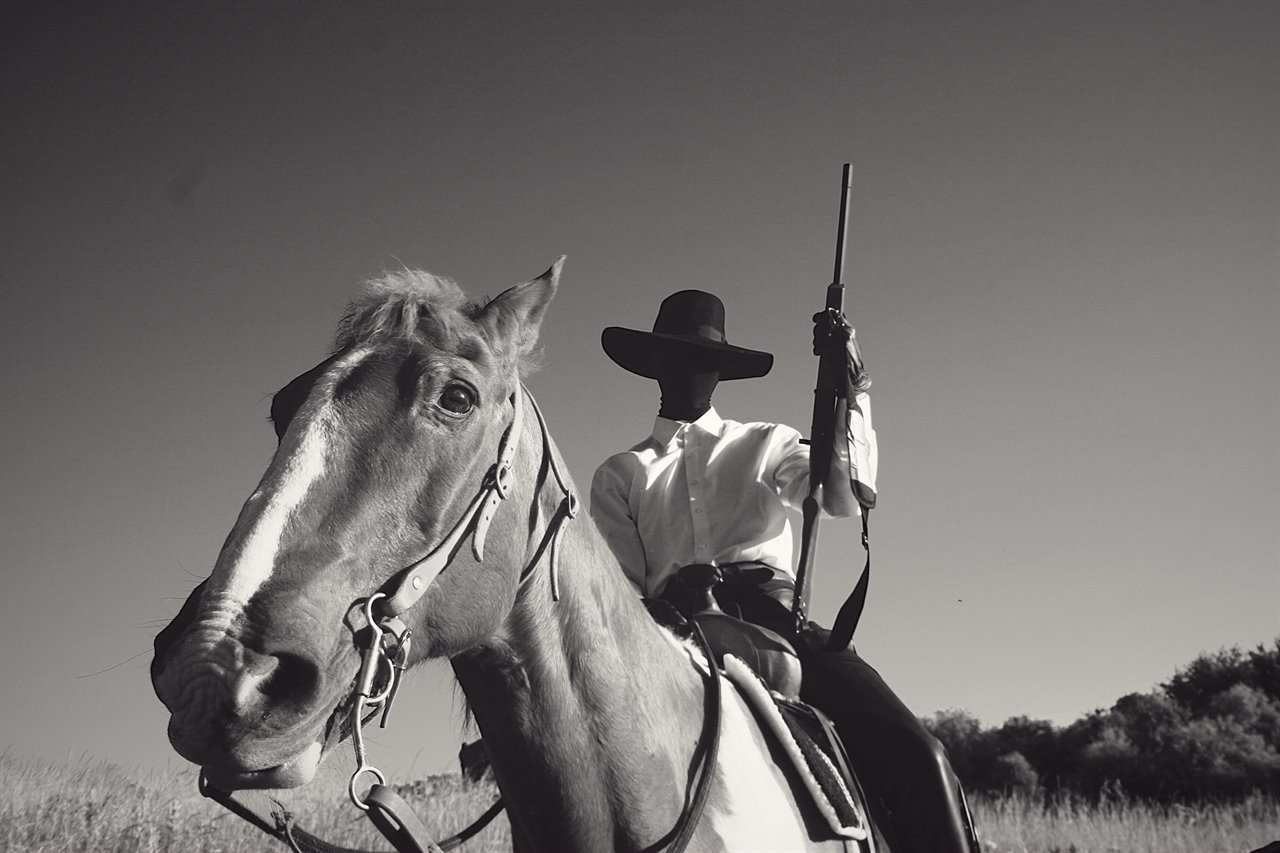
(1063, 265)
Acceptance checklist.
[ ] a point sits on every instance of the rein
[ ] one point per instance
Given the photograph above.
(385, 658)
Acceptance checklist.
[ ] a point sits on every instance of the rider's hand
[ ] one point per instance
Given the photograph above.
(834, 337)
(831, 332)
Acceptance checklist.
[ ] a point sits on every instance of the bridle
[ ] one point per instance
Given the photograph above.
(385, 657)
(388, 646)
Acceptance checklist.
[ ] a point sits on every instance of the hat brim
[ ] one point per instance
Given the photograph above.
(637, 352)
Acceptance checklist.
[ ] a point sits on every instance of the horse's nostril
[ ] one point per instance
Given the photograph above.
(294, 679)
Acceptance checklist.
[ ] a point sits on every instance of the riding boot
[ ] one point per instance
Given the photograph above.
(896, 759)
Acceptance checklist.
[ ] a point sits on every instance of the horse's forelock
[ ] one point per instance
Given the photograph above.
(407, 304)
(413, 305)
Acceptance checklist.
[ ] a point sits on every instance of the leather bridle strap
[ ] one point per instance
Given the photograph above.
(416, 578)
(388, 812)
(475, 520)
(568, 509)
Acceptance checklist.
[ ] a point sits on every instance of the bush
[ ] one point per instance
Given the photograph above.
(1015, 775)
(1212, 732)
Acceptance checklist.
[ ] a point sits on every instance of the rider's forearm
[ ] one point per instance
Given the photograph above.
(838, 499)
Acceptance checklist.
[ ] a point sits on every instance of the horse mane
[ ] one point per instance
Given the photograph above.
(412, 305)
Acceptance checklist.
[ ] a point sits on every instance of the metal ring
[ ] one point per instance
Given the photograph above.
(368, 609)
(351, 786)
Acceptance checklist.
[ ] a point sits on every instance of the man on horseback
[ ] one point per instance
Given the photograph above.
(713, 494)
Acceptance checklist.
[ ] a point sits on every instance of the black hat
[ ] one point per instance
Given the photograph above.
(688, 319)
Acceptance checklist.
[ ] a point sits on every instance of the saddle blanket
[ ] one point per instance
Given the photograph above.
(799, 731)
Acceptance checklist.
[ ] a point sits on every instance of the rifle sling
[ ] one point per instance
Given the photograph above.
(851, 611)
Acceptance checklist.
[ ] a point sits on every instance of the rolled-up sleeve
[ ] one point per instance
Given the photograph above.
(611, 511)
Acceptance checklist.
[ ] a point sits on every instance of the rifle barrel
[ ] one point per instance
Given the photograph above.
(846, 183)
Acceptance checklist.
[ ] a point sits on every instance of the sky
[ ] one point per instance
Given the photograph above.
(1063, 265)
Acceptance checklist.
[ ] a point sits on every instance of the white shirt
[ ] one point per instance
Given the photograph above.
(711, 491)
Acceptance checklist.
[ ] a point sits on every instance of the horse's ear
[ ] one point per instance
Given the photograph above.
(516, 314)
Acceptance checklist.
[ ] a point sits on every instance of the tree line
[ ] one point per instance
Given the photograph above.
(1211, 732)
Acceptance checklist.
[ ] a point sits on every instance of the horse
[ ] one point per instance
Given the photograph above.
(593, 715)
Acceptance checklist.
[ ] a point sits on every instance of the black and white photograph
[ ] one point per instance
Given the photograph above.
(658, 426)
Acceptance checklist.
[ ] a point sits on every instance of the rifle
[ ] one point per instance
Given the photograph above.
(822, 437)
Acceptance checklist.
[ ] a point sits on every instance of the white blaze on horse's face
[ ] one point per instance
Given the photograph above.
(249, 567)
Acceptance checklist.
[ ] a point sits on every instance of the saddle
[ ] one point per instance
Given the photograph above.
(808, 739)
(763, 664)
(739, 615)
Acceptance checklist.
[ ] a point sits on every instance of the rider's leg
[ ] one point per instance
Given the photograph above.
(894, 756)
(892, 753)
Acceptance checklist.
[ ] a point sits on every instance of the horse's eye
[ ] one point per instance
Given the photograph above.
(457, 398)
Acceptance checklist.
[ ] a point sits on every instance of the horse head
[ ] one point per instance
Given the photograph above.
(382, 447)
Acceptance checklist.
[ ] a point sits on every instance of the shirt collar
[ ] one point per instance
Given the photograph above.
(666, 430)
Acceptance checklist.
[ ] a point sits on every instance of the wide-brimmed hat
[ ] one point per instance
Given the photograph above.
(691, 320)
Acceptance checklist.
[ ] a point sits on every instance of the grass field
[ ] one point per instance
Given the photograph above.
(94, 806)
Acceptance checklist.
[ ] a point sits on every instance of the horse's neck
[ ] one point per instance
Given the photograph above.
(587, 708)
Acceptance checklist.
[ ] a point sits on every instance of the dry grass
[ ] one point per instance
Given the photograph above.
(1068, 825)
(100, 807)
(105, 808)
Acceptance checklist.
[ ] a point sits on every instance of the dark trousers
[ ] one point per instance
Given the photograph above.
(895, 757)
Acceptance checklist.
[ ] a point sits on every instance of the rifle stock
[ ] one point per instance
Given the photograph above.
(822, 426)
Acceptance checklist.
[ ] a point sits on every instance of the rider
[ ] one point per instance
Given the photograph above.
(709, 491)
